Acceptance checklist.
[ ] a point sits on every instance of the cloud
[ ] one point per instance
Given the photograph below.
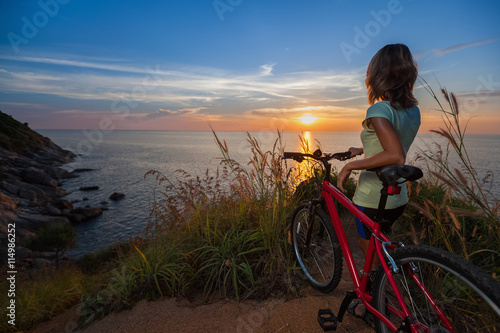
(71, 112)
(160, 113)
(478, 94)
(267, 69)
(322, 111)
(29, 105)
(457, 47)
(187, 87)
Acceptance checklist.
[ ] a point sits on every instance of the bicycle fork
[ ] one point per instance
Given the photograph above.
(312, 211)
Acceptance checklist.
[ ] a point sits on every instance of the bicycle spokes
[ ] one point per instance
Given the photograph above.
(313, 243)
(437, 294)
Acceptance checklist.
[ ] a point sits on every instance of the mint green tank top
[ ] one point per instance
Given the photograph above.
(406, 124)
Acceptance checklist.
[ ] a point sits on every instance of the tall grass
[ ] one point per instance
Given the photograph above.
(459, 213)
(238, 216)
(47, 294)
(222, 234)
(158, 270)
(225, 233)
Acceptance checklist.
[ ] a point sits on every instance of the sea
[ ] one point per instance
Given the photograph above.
(120, 159)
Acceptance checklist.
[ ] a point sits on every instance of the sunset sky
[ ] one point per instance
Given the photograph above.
(237, 64)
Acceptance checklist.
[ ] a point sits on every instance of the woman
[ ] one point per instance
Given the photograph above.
(390, 126)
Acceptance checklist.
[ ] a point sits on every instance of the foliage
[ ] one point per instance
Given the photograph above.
(46, 295)
(158, 270)
(55, 238)
(103, 260)
(225, 233)
(455, 211)
(16, 136)
(227, 261)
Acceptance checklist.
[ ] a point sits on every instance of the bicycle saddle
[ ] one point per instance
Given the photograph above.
(392, 175)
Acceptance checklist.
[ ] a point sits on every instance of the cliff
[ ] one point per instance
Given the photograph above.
(30, 185)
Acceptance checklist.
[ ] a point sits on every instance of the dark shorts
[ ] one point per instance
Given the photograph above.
(391, 215)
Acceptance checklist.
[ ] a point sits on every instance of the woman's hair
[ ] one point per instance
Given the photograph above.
(390, 76)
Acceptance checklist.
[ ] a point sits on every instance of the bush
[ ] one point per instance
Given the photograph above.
(56, 238)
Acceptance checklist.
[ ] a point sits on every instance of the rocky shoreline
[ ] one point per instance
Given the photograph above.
(31, 197)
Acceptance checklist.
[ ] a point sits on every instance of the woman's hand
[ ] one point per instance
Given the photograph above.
(343, 176)
(356, 151)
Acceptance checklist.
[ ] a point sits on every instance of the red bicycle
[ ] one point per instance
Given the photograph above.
(416, 288)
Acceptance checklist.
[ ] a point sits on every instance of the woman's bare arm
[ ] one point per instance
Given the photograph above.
(393, 153)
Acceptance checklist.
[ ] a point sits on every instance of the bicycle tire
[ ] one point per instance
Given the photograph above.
(468, 297)
(321, 260)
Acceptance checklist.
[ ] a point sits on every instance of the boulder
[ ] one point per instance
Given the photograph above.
(36, 220)
(62, 204)
(89, 188)
(38, 176)
(51, 210)
(7, 203)
(28, 195)
(77, 218)
(57, 173)
(82, 170)
(26, 191)
(116, 196)
(82, 214)
(11, 188)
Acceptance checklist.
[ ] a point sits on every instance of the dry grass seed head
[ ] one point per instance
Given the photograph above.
(466, 212)
(454, 104)
(423, 211)
(455, 220)
(445, 94)
(445, 180)
(416, 240)
(461, 176)
(447, 135)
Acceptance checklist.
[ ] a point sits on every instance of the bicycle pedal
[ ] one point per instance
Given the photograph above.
(327, 320)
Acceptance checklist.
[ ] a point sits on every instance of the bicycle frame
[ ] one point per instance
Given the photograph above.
(375, 248)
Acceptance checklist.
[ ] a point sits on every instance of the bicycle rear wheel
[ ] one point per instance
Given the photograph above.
(468, 297)
(316, 248)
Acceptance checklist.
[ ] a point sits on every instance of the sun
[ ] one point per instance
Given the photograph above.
(308, 119)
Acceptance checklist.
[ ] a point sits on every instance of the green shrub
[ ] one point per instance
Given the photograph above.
(56, 238)
(43, 297)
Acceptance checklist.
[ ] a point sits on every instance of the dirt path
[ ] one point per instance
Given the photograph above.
(226, 316)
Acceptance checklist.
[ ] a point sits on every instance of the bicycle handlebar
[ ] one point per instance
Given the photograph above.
(317, 155)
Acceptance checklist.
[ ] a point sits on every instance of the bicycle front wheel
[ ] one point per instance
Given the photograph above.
(443, 292)
(316, 248)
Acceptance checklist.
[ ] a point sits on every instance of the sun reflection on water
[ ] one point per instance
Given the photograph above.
(306, 169)
(305, 143)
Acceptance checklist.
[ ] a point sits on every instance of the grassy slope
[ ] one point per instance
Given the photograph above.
(16, 136)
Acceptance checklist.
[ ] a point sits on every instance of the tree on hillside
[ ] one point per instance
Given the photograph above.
(56, 238)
